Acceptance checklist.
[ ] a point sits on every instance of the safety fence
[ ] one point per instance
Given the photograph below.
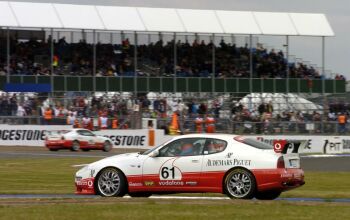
(188, 125)
(139, 139)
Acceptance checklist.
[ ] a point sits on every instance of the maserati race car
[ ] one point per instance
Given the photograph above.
(240, 167)
(76, 139)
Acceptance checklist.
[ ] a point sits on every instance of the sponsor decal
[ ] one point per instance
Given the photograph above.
(286, 175)
(278, 145)
(16, 135)
(85, 182)
(171, 183)
(231, 162)
(137, 140)
(271, 142)
(135, 184)
(92, 172)
(332, 146)
(346, 144)
(298, 176)
(228, 155)
(191, 183)
(148, 183)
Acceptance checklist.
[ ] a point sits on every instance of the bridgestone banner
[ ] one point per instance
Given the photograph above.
(134, 138)
(34, 135)
(26, 135)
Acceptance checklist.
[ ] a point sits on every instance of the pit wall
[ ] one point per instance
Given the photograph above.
(34, 135)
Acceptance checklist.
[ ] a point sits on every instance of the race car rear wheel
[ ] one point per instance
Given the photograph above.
(107, 146)
(267, 195)
(240, 184)
(75, 146)
(111, 182)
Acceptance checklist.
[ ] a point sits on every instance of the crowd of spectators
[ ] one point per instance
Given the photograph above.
(194, 59)
(263, 119)
(11, 106)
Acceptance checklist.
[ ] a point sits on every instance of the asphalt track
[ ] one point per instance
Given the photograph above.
(308, 163)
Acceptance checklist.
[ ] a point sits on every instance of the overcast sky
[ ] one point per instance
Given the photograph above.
(307, 48)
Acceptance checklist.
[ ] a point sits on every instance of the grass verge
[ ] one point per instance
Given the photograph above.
(145, 209)
(56, 176)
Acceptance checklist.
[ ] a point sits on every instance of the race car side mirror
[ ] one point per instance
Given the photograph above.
(154, 153)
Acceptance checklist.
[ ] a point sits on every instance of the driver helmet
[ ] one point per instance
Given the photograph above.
(187, 149)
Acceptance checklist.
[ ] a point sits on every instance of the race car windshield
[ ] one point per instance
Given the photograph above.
(56, 132)
(257, 144)
(152, 149)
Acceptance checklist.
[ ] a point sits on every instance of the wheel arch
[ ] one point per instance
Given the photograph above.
(114, 167)
(237, 167)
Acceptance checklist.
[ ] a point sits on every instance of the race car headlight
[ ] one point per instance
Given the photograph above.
(84, 168)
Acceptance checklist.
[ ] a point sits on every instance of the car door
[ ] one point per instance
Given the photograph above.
(216, 161)
(177, 167)
(86, 138)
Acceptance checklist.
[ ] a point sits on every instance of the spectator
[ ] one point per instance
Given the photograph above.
(342, 123)
(48, 114)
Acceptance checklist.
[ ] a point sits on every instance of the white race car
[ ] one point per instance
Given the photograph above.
(240, 167)
(76, 139)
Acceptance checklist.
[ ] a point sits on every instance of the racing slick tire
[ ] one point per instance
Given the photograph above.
(240, 184)
(107, 146)
(75, 146)
(111, 182)
(140, 194)
(85, 149)
(53, 149)
(267, 195)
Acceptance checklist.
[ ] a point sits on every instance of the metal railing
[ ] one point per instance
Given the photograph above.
(187, 125)
(178, 84)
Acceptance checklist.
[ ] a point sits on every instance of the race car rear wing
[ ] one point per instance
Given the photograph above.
(288, 146)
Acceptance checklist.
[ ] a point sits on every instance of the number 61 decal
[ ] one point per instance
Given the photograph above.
(170, 173)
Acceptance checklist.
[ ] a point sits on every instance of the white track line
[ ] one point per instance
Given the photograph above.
(47, 154)
(325, 155)
(57, 196)
(189, 197)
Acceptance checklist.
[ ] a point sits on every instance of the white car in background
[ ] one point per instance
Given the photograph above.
(76, 139)
(239, 167)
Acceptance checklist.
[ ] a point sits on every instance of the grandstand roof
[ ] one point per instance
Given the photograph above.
(114, 18)
(281, 102)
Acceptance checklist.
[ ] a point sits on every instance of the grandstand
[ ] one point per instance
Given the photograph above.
(213, 58)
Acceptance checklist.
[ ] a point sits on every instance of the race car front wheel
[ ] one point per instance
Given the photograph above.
(75, 146)
(111, 182)
(240, 184)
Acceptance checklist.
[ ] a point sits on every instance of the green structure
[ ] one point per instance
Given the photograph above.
(178, 84)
